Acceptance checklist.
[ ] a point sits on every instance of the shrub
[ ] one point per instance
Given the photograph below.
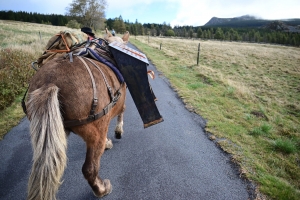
(15, 72)
(170, 32)
(73, 24)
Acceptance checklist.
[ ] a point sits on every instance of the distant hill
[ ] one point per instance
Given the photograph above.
(215, 21)
(247, 21)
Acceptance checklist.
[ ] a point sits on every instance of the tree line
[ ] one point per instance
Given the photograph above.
(136, 28)
(74, 20)
(258, 35)
(249, 35)
(33, 17)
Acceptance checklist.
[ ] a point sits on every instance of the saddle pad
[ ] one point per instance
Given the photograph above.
(92, 53)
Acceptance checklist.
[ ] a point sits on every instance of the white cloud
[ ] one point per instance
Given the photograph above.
(195, 12)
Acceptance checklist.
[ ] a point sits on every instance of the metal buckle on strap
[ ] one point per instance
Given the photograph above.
(71, 56)
(91, 118)
(95, 103)
(110, 92)
(33, 65)
(116, 98)
(105, 110)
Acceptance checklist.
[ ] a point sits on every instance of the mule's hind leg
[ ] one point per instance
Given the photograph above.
(108, 144)
(95, 139)
(119, 128)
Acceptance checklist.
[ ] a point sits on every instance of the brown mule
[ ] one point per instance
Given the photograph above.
(60, 91)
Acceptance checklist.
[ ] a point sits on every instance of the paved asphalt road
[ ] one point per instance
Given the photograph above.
(168, 161)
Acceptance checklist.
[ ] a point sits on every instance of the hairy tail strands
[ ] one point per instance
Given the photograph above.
(49, 143)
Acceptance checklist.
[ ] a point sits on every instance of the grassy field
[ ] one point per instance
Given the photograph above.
(250, 95)
(20, 44)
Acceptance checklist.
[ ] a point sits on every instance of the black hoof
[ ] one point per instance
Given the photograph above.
(118, 135)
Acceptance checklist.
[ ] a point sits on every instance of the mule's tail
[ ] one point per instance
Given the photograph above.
(49, 143)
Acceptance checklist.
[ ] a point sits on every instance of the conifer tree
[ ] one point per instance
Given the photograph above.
(199, 33)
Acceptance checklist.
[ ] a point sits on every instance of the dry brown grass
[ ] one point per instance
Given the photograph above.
(27, 37)
(250, 95)
(248, 67)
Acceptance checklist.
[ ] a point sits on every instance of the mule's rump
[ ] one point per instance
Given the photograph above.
(74, 82)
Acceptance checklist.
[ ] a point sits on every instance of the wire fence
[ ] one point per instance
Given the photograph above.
(189, 49)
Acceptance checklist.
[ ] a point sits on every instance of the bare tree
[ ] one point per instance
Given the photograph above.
(89, 13)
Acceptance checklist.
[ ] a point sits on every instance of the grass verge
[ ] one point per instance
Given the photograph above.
(249, 94)
(11, 116)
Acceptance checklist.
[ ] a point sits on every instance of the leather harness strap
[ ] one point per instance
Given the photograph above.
(59, 50)
(106, 109)
(95, 99)
(104, 78)
(90, 118)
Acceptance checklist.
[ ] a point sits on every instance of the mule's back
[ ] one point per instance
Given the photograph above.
(75, 85)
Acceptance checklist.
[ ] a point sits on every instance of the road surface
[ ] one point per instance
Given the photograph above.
(169, 161)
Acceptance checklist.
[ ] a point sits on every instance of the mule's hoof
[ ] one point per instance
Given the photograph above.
(108, 189)
(108, 144)
(118, 135)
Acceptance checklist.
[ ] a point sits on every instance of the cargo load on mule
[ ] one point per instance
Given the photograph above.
(133, 66)
(60, 44)
(129, 65)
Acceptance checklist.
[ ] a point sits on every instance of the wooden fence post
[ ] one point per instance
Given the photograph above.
(198, 57)
(160, 46)
(40, 36)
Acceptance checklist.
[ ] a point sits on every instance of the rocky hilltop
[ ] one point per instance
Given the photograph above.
(282, 26)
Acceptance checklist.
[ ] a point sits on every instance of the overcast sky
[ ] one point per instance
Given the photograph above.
(174, 12)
